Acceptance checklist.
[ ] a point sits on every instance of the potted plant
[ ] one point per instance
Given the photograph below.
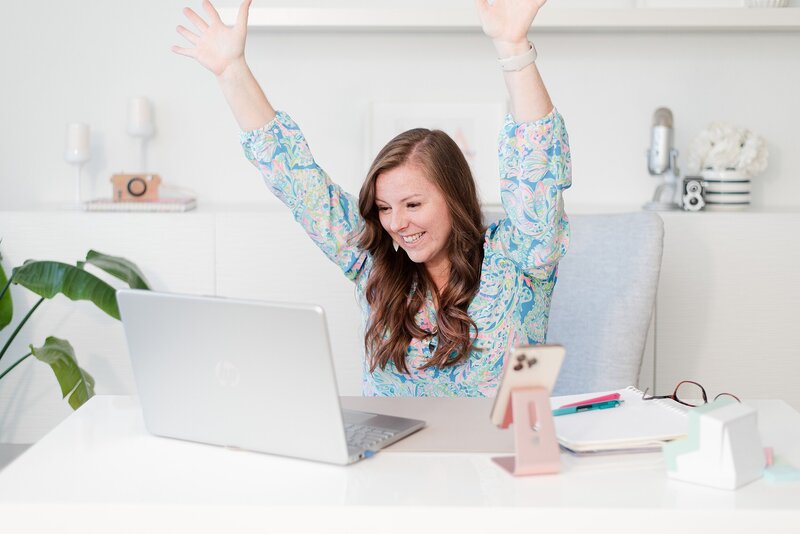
(48, 279)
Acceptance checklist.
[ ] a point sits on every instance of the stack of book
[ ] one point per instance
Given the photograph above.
(636, 425)
(160, 205)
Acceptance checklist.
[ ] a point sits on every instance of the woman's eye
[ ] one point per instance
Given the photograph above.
(383, 208)
(413, 205)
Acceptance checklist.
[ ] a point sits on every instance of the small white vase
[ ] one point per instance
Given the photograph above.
(727, 190)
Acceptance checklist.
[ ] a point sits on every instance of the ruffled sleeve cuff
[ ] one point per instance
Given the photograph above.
(546, 137)
(255, 142)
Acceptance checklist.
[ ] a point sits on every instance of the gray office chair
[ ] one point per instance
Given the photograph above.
(604, 299)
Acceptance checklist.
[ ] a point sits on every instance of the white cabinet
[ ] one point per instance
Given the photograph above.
(725, 314)
(727, 304)
(175, 253)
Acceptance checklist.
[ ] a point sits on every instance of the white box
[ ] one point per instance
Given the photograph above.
(723, 449)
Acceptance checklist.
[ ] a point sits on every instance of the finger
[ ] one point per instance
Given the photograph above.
(188, 52)
(195, 18)
(190, 36)
(212, 12)
(244, 11)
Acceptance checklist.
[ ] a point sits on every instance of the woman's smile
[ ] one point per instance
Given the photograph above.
(412, 239)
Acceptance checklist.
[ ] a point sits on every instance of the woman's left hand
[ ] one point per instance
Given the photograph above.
(507, 22)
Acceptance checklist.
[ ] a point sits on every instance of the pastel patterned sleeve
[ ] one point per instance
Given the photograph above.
(328, 214)
(535, 168)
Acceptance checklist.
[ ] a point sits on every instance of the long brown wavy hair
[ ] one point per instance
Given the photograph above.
(397, 286)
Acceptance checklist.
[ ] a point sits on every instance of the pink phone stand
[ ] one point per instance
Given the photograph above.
(537, 451)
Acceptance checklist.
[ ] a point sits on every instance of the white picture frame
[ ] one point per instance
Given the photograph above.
(474, 126)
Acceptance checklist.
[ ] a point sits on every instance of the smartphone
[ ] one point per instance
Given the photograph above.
(527, 366)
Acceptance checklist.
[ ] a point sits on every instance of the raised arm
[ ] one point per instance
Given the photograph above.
(220, 49)
(274, 143)
(535, 164)
(506, 23)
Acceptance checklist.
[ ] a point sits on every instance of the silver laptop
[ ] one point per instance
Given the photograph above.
(246, 374)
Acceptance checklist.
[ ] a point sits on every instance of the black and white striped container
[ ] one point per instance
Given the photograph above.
(727, 190)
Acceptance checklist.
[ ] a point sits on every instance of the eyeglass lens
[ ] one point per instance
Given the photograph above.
(690, 393)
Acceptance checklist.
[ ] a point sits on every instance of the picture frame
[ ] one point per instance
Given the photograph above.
(474, 126)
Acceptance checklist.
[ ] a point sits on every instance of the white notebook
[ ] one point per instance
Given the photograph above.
(636, 424)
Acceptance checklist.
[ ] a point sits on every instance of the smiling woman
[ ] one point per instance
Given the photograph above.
(426, 202)
(443, 297)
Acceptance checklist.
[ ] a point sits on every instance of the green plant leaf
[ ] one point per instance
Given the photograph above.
(74, 381)
(121, 268)
(48, 278)
(6, 306)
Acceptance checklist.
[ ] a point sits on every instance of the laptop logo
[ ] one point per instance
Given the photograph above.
(227, 374)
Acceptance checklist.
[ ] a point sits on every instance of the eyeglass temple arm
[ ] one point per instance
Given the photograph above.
(645, 397)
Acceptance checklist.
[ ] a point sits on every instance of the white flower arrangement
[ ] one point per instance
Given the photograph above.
(723, 147)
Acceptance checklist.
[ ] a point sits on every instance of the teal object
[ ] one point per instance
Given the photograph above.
(782, 473)
(586, 407)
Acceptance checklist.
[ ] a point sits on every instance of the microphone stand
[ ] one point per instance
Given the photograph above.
(668, 193)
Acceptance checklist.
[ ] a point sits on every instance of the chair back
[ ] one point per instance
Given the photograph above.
(604, 299)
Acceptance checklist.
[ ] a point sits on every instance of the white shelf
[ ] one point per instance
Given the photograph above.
(205, 208)
(549, 20)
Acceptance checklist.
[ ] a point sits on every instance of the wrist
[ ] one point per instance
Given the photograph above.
(234, 70)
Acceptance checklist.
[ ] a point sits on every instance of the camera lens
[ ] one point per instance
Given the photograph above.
(137, 187)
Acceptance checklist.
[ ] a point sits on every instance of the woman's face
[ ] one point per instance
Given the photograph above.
(414, 212)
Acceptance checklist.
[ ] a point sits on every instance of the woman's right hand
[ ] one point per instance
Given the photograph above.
(215, 45)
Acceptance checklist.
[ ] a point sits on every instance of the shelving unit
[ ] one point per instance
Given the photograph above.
(549, 20)
(725, 312)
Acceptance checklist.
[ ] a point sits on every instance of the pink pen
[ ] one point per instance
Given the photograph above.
(609, 397)
(769, 457)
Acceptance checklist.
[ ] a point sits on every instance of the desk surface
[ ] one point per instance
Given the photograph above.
(101, 458)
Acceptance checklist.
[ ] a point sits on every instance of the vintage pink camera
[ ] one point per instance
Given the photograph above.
(135, 187)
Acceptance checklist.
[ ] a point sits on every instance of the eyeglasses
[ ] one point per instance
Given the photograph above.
(688, 393)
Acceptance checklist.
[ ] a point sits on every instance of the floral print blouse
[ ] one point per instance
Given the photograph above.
(521, 251)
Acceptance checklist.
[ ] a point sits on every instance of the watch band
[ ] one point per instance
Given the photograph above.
(515, 63)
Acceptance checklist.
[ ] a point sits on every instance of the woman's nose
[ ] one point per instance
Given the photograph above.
(398, 220)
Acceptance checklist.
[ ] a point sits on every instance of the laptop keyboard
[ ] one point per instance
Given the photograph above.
(365, 437)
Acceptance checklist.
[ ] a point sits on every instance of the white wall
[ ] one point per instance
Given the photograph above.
(74, 60)
(80, 61)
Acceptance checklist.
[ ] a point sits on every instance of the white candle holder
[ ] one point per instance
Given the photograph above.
(77, 152)
(141, 125)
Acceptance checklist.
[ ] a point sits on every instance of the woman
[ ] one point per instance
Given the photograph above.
(443, 298)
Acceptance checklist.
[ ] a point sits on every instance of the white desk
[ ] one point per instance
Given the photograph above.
(101, 471)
